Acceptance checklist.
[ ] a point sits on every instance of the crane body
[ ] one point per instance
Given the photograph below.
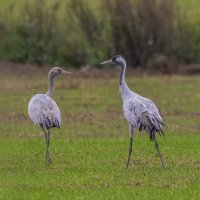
(139, 111)
(43, 110)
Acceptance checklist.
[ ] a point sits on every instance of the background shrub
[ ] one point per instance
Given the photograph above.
(80, 32)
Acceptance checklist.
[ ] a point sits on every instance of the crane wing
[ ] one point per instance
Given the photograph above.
(44, 111)
(143, 114)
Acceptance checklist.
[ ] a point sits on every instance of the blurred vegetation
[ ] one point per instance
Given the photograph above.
(80, 32)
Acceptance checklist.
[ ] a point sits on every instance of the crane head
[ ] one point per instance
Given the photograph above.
(56, 71)
(117, 60)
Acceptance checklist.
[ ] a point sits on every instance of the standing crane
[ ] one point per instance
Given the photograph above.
(139, 111)
(43, 110)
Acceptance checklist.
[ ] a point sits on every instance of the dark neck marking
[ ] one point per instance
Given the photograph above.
(51, 85)
(122, 73)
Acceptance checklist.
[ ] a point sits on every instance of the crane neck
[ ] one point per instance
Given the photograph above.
(51, 86)
(123, 87)
(122, 74)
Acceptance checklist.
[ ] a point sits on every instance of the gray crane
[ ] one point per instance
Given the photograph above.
(43, 110)
(139, 111)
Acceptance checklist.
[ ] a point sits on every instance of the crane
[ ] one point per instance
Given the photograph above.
(43, 110)
(139, 111)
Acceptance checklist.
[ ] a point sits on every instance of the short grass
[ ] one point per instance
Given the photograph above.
(89, 152)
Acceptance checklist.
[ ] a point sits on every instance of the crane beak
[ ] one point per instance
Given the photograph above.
(106, 62)
(65, 72)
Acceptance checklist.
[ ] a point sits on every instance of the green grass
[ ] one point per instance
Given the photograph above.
(89, 152)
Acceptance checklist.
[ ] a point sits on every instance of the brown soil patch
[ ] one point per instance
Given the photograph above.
(8, 68)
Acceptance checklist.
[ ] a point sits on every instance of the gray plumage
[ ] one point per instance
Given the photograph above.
(139, 111)
(43, 110)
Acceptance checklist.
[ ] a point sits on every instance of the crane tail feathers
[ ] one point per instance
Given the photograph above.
(160, 122)
(56, 124)
(46, 123)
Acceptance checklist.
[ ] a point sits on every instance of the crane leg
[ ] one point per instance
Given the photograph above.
(159, 154)
(48, 160)
(47, 147)
(130, 147)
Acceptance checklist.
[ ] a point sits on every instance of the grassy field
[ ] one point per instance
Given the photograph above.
(89, 152)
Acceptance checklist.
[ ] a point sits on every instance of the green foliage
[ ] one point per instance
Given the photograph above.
(78, 32)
